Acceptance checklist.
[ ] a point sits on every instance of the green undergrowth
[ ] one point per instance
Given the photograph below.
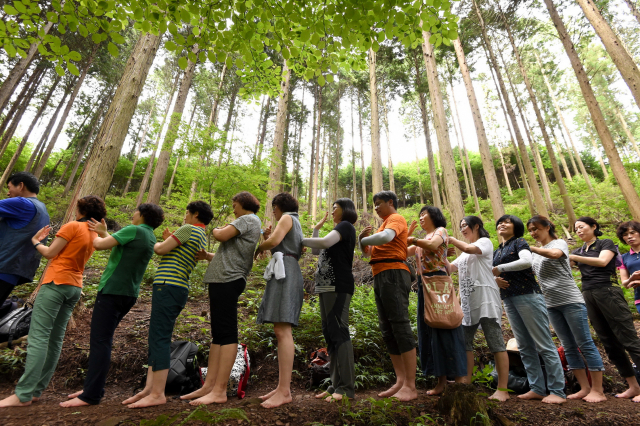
(201, 414)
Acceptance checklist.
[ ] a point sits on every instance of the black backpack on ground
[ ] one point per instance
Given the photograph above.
(11, 304)
(184, 373)
(15, 324)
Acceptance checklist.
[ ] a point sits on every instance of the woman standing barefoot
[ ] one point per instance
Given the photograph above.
(282, 300)
(566, 307)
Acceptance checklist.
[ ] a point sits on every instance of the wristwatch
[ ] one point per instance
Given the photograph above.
(36, 245)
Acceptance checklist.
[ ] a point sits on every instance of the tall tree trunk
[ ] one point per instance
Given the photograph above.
(376, 156)
(25, 138)
(385, 121)
(213, 117)
(619, 55)
(65, 113)
(255, 148)
(227, 124)
(152, 156)
(275, 172)
(564, 124)
(440, 120)
(173, 175)
(354, 195)
(535, 189)
(572, 154)
(137, 157)
(263, 135)
(463, 166)
(433, 176)
(415, 144)
(20, 100)
(483, 144)
(24, 104)
(465, 155)
(504, 170)
(627, 131)
(634, 9)
(43, 140)
(314, 197)
(98, 171)
(83, 150)
(76, 140)
(605, 172)
(19, 69)
(617, 167)
(362, 168)
(321, 177)
(561, 152)
(312, 159)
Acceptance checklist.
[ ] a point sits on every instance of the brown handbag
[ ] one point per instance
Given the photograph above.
(441, 304)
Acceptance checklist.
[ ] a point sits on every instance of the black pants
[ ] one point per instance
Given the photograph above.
(108, 311)
(612, 320)
(5, 290)
(223, 301)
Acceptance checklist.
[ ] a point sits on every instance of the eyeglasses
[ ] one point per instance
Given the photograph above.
(463, 227)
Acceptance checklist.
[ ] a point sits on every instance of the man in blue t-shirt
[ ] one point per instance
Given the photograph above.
(22, 215)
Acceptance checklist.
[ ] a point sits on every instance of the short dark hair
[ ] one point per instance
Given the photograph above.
(591, 222)
(152, 214)
(386, 196)
(205, 215)
(518, 226)
(472, 221)
(624, 227)
(285, 202)
(348, 209)
(544, 222)
(438, 219)
(92, 207)
(247, 200)
(30, 181)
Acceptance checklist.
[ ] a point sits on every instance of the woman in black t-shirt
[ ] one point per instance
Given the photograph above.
(334, 287)
(606, 306)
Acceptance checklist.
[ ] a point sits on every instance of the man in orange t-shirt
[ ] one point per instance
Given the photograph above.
(392, 285)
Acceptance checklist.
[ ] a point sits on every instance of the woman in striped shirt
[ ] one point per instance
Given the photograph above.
(566, 307)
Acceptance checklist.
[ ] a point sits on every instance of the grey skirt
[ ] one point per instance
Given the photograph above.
(282, 299)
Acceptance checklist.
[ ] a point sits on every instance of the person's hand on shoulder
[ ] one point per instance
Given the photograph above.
(41, 234)
(321, 223)
(412, 227)
(502, 283)
(166, 234)
(99, 228)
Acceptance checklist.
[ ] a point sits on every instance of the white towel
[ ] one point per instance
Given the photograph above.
(275, 266)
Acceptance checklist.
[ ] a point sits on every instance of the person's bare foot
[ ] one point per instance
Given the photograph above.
(629, 393)
(335, 397)
(137, 397)
(74, 395)
(499, 395)
(406, 394)
(210, 398)
(149, 401)
(277, 400)
(391, 391)
(13, 401)
(437, 390)
(531, 395)
(579, 395)
(595, 396)
(636, 399)
(269, 395)
(35, 399)
(198, 393)
(322, 395)
(554, 399)
(75, 402)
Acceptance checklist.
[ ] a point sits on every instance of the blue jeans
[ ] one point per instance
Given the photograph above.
(530, 324)
(638, 308)
(572, 327)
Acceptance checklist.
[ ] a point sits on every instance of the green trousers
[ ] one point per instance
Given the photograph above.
(51, 312)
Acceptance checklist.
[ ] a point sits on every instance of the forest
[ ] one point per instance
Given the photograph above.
(479, 107)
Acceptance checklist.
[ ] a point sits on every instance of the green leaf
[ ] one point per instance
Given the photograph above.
(22, 53)
(433, 39)
(11, 50)
(330, 78)
(138, 14)
(117, 38)
(182, 63)
(74, 56)
(170, 46)
(72, 68)
(185, 15)
(239, 63)
(59, 70)
(446, 41)
(42, 50)
(52, 17)
(10, 10)
(113, 50)
(321, 80)
(196, 31)
(146, 26)
(21, 8)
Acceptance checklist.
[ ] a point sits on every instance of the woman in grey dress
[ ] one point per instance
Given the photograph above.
(282, 299)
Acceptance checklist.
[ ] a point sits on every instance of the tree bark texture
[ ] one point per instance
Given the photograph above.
(263, 134)
(619, 55)
(440, 120)
(173, 175)
(140, 145)
(312, 159)
(362, 168)
(213, 117)
(98, 171)
(504, 170)
(376, 156)
(602, 165)
(634, 9)
(275, 172)
(354, 195)
(385, 120)
(314, 197)
(617, 167)
(22, 97)
(483, 143)
(627, 131)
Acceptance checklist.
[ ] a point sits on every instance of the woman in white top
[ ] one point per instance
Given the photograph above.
(480, 298)
(566, 308)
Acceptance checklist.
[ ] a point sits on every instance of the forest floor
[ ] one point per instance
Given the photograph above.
(127, 371)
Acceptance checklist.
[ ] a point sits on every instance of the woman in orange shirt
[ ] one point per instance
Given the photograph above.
(69, 251)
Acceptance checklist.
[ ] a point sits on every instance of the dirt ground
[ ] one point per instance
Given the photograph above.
(129, 355)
